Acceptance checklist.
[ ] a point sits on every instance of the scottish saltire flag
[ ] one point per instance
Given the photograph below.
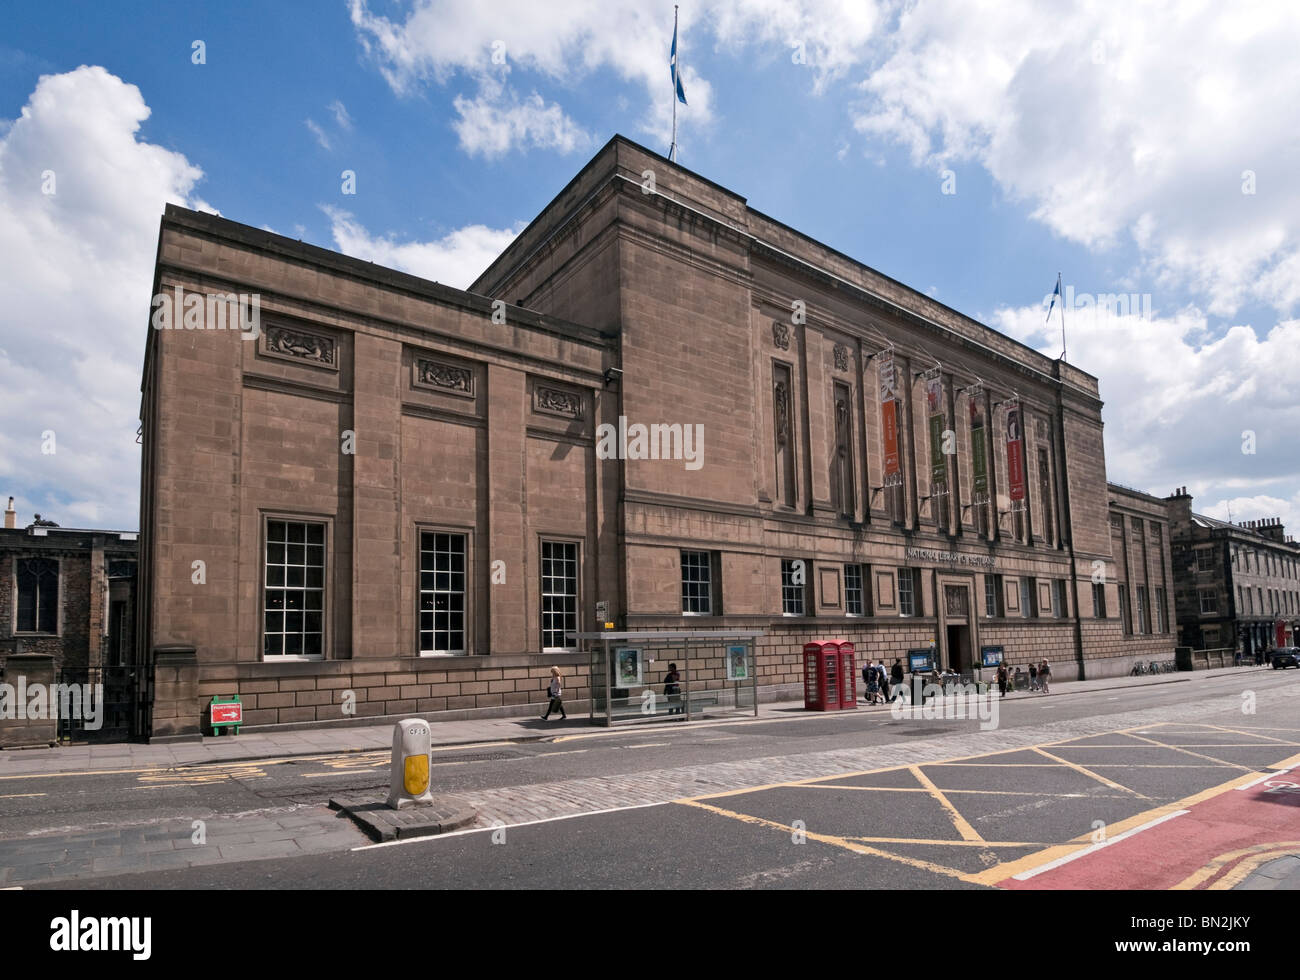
(1056, 294)
(672, 64)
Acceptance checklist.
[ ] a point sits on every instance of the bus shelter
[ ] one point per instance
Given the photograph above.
(632, 679)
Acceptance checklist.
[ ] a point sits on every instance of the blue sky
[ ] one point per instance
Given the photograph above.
(1112, 146)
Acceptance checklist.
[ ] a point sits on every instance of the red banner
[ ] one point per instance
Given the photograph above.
(889, 419)
(1015, 454)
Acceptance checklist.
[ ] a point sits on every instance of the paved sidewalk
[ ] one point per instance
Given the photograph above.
(175, 843)
(333, 740)
(1280, 875)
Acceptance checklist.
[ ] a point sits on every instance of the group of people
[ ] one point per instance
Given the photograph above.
(878, 680)
(1040, 677)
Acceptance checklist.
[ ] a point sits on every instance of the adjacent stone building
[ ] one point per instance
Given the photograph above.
(395, 497)
(67, 615)
(67, 593)
(1238, 584)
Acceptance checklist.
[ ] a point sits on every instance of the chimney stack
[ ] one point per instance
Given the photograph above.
(11, 515)
(1273, 529)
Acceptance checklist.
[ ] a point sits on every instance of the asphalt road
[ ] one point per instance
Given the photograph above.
(969, 821)
(97, 800)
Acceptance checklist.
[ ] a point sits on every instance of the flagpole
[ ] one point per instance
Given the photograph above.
(1058, 286)
(672, 150)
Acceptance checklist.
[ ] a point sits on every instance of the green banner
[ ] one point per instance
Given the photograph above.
(938, 461)
(979, 461)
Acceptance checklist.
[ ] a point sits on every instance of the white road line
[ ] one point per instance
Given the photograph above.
(1026, 875)
(509, 826)
(1265, 777)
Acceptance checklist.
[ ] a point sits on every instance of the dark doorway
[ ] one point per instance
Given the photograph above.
(959, 658)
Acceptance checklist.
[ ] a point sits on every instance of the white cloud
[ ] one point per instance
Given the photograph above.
(495, 122)
(319, 133)
(1179, 403)
(1117, 122)
(341, 117)
(74, 297)
(437, 39)
(456, 260)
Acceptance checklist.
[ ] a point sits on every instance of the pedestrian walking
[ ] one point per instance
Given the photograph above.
(873, 683)
(555, 691)
(673, 690)
(1044, 675)
(1033, 677)
(1002, 679)
(896, 679)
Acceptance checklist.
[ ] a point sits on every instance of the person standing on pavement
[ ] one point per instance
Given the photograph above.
(673, 690)
(1002, 679)
(1044, 675)
(555, 691)
(896, 679)
(1033, 677)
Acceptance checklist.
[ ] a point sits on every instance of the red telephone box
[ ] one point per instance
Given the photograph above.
(829, 676)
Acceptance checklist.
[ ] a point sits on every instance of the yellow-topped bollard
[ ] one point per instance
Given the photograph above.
(410, 772)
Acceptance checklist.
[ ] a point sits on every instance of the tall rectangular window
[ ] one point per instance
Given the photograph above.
(1142, 609)
(793, 583)
(442, 592)
(38, 595)
(992, 595)
(1058, 598)
(907, 592)
(1098, 600)
(854, 595)
(842, 488)
(1162, 614)
(1209, 601)
(1125, 614)
(294, 596)
(559, 594)
(1027, 598)
(1047, 495)
(783, 433)
(1204, 560)
(697, 583)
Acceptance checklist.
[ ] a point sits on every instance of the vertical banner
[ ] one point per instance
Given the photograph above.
(1015, 452)
(978, 451)
(938, 424)
(889, 419)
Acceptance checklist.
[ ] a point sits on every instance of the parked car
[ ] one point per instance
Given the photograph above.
(1284, 657)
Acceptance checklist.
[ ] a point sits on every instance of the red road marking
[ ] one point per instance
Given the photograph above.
(1166, 854)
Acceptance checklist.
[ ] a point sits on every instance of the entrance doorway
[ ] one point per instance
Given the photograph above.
(959, 655)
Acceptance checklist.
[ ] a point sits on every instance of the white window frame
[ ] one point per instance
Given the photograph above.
(706, 581)
(421, 591)
(543, 595)
(326, 545)
(790, 591)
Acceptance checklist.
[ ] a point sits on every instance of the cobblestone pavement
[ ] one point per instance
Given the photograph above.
(519, 804)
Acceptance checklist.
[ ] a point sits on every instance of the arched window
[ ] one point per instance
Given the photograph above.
(38, 595)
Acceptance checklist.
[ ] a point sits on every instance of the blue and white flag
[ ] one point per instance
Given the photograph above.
(1056, 294)
(672, 64)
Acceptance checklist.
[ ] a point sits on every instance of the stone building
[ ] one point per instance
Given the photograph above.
(657, 401)
(67, 593)
(1238, 585)
(67, 614)
(1144, 593)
